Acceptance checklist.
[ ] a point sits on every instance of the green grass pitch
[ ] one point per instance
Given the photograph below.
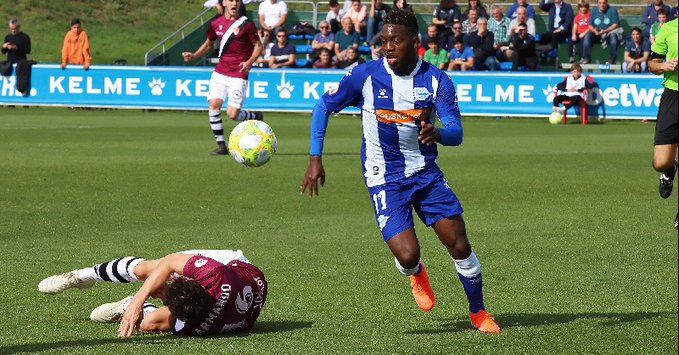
(578, 249)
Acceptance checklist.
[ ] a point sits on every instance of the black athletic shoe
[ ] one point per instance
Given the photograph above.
(667, 183)
(221, 149)
(259, 116)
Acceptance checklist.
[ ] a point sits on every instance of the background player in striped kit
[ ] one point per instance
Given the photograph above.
(397, 95)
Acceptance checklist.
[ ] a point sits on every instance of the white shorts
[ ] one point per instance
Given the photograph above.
(223, 256)
(222, 86)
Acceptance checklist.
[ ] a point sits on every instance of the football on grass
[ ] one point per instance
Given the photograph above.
(555, 118)
(252, 143)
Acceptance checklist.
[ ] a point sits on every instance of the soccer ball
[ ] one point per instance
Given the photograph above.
(252, 143)
(555, 118)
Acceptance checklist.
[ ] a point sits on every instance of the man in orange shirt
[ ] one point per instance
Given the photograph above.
(76, 49)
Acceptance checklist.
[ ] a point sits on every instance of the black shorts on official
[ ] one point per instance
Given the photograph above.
(667, 126)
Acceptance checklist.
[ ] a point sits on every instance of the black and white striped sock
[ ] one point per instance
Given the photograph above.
(216, 124)
(147, 308)
(245, 115)
(116, 271)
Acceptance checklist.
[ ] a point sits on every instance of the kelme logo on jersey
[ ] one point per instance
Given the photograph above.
(421, 94)
(382, 94)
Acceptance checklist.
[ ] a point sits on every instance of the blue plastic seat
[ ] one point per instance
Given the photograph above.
(364, 49)
(303, 48)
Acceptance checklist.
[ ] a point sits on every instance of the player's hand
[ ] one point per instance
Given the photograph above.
(188, 56)
(131, 318)
(245, 67)
(429, 135)
(670, 65)
(314, 172)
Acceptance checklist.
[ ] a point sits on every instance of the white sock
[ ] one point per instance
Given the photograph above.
(408, 272)
(469, 267)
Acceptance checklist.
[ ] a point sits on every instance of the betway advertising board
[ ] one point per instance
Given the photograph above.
(628, 96)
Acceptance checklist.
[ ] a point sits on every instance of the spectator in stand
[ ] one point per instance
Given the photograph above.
(469, 25)
(457, 33)
(461, 57)
(352, 59)
(445, 14)
(16, 44)
(325, 60)
(267, 44)
(76, 49)
(475, 5)
(604, 27)
(521, 17)
(334, 16)
(580, 27)
(376, 47)
(637, 51)
(272, 15)
(650, 15)
(378, 10)
(432, 32)
(482, 42)
(530, 10)
(283, 52)
(435, 55)
(572, 90)
(523, 48)
(323, 39)
(357, 13)
(662, 19)
(345, 38)
(403, 5)
(498, 24)
(674, 13)
(559, 25)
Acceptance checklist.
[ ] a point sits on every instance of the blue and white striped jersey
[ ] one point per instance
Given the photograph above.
(392, 108)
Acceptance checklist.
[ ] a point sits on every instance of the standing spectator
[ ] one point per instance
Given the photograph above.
(636, 52)
(435, 55)
(469, 25)
(357, 13)
(76, 49)
(378, 10)
(482, 42)
(662, 19)
(559, 25)
(272, 14)
(267, 44)
(580, 27)
(650, 15)
(461, 57)
(530, 10)
(475, 5)
(16, 44)
(352, 59)
(334, 16)
(283, 52)
(521, 17)
(325, 60)
(323, 39)
(572, 90)
(523, 46)
(604, 27)
(445, 14)
(403, 5)
(499, 25)
(345, 38)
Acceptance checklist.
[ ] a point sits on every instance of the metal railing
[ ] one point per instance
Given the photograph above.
(178, 35)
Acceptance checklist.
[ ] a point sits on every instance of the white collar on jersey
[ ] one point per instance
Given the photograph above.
(391, 72)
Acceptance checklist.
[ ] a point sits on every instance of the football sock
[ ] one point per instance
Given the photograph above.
(408, 272)
(216, 124)
(146, 309)
(116, 271)
(245, 115)
(469, 272)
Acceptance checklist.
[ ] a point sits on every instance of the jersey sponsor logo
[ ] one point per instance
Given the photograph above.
(421, 94)
(404, 116)
(244, 299)
(382, 94)
(200, 263)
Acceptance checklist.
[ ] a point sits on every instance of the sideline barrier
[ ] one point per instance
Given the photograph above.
(479, 93)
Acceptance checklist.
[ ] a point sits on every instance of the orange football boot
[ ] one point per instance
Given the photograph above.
(422, 291)
(484, 322)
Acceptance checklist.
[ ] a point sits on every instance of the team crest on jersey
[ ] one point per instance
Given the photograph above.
(421, 94)
(200, 263)
(244, 299)
(382, 94)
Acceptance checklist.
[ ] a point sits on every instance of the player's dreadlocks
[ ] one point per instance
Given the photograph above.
(188, 300)
(402, 17)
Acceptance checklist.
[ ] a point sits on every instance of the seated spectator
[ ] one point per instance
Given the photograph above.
(272, 14)
(433, 32)
(482, 42)
(559, 25)
(475, 5)
(445, 14)
(323, 39)
(604, 28)
(352, 59)
(457, 33)
(650, 15)
(265, 37)
(345, 38)
(283, 52)
(498, 24)
(469, 25)
(461, 57)
(403, 5)
(662, 19)
(530, 10)
(435, 55)
(637, 52)
(16, 44)
(521, 17)
(376, 47)
(76, 49)
(357, 13)
(325, 60)
(334, 16)
(378, 10)
(572, 89)
(674, 13)
(523, 49)
(580, 27)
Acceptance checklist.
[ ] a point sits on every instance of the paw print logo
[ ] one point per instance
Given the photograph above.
(157, 86)
(285, 89)
(549, 92)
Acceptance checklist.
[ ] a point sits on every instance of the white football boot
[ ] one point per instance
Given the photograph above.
(109, 312)
(59, 283)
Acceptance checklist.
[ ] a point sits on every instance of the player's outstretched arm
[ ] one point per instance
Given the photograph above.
(173, 263)
(202, 50)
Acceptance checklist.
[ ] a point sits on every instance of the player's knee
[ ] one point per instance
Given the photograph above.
(408, 258)
(662, 164)
(232, 114)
